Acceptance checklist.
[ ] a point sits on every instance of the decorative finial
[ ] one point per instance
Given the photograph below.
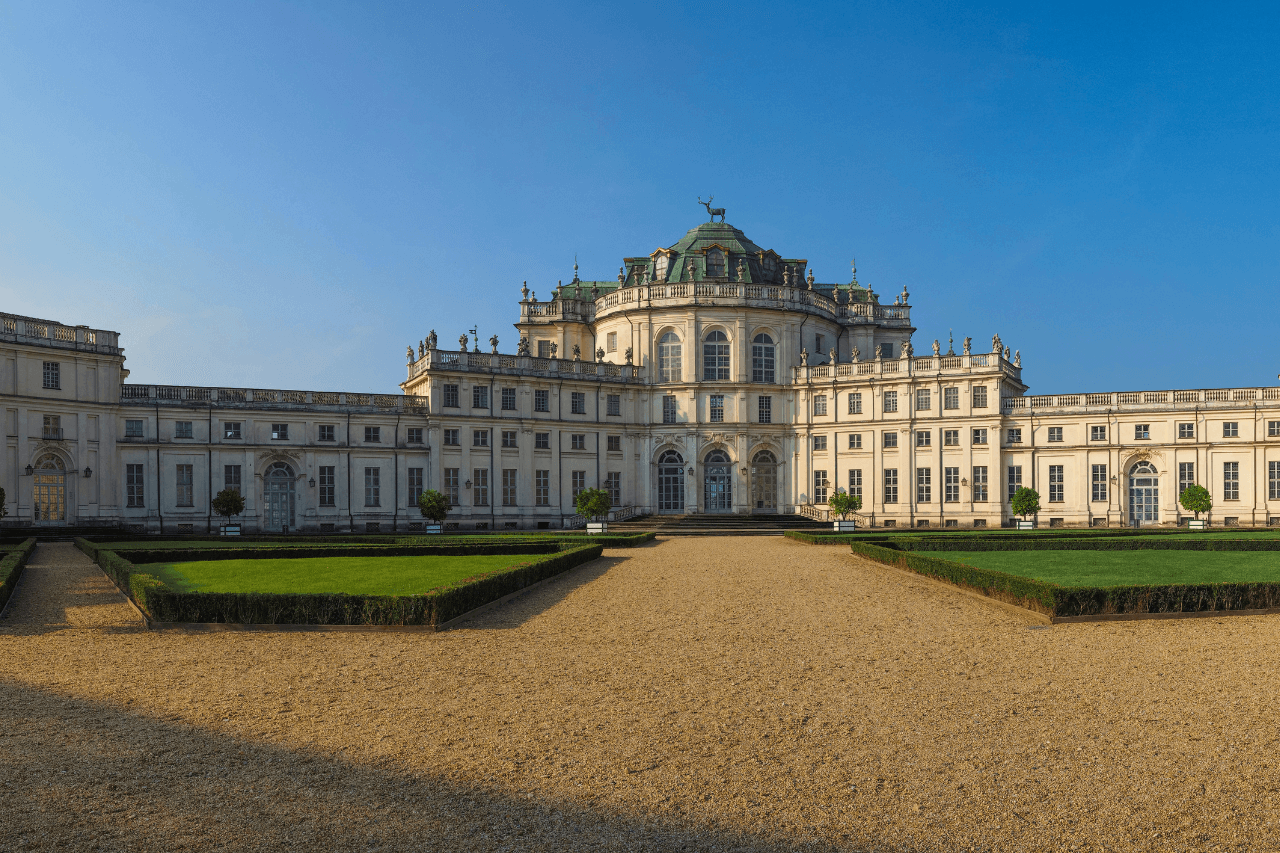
(905, 295)
(575, 267)
(809, 279)
(622, 275)
(951, 342)
(854, 265)
(524, 291)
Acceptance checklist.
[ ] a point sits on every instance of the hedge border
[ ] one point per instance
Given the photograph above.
(162, 606)
(160, 555)
(1098, 544)
(11, 567)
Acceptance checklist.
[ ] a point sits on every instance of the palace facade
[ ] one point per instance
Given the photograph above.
(712, 376)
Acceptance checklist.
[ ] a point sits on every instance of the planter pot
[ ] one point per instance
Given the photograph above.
(1026, 525)
(597, 527)
(432, 528)
(844, 526)
(229, 530)
(1196, 524)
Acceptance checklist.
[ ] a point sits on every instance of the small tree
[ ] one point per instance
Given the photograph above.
(1026, 502)
(227, 503)
(593, 503)
(4, 507)
(434, 505)
(1196, 499)
(843, 503)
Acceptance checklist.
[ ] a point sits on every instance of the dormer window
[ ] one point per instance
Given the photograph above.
(715, 263)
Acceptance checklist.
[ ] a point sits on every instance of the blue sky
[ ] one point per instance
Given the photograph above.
(286, 195)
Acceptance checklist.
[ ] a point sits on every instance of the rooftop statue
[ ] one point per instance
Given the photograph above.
(937, 348)
(854, 355)
(713, 212)
(968, 345)
(462, 343)
(577, 353)
(804, 357)
(742, 269)
(522, 348)
(431, 339)
(629, 355)
(493, 343)
(554, 347)
(599, 353)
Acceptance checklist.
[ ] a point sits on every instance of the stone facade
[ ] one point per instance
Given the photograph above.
(711, 376)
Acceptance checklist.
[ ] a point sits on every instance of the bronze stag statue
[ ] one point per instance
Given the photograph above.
(713, 212)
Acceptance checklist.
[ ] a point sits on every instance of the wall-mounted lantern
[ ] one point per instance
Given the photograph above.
(312, 482)
(744, 472)
(30, 470)
(690, 470)
(467, 485)
(88, 472)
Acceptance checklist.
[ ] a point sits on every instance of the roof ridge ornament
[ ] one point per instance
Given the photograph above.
(713, 212)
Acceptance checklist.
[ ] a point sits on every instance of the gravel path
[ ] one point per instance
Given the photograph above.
(63, 588)
(700, 694)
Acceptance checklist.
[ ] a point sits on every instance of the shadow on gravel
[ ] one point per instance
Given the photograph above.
(534, 602)
(86, 775)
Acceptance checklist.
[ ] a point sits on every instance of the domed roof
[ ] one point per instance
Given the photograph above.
(718, 233)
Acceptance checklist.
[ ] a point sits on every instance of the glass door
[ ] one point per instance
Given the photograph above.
(764, 482)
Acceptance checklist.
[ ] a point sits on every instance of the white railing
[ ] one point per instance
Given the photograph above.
(911, 366)
(477, 362)
(183, 394)
(820, 512)
(1189, 398)
(49, 333)
(623, 513)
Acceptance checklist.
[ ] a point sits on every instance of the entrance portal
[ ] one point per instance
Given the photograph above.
(49, 501)
(1144, 494)
(717, 483)
(278, 491)
(764, 482)
(671, 482)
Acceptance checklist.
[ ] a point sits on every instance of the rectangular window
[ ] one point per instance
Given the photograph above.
(951, 438)
(53, 375)
(1273, 481)
(1187, 430)
(577, 402)
(980, 396)
(611, 342)
(451, 438)
(924, 437)
(182, 429)
(951, 485)
(979, 436)
(819, 442)
(542, 487)
(480, 487)
(544, 349)
(1098, 484)
(716, 408)
(279, 432)
(890, 401)
(541, 400)
(372, 487)
(328, 485)
(508, 399)
(1015, 479)
(231, 429)
(509, 438)
(1141, 432)
(1097, 433)
(819, 487)
(668, 409)
(133, 486)
(950, 398)
(542, 441)
(613, 405)
(817, 345)
(1057, 491)
(924, 485)
(1231, 481)
(855, 403)
(891, 485)
(855, 482)
(452, 485)
(820, 405)
(415, 486)
(890, 439)
(373, 435)
(326, 432)
(1015, 436)
(133, 429)
(1055, 433)
(413, 435)
(480, 396)
(980, 483)
(509, 487)
(185, 493)
(923, 402)
(1273, 429)
(615, 444)
(886, 350)
(855, 441)
(479, 438)
(231, 478)
(613, 485)
(579, 479)
(1186, 476)
(578, 441)
(766, 410)
(1231, 429)
(450, 395)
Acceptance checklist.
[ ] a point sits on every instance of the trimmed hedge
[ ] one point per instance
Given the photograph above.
(433, 608)
(11, 568)
(608, 540)
(159, 555)
(1099, 544)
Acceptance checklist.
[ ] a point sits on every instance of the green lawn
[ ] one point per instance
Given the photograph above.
(1122, 568)
(354, 575)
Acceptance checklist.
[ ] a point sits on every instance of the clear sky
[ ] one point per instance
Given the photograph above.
(286, 195)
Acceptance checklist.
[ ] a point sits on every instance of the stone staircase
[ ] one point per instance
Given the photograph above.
(707, 524)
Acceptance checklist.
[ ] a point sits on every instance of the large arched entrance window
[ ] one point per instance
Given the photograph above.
(764, 482)
(671, 482)
(49, 501)
(278, 491)
(715, 357)
(762, 359)
(717, 482)
(1144, 494)
(669, 358)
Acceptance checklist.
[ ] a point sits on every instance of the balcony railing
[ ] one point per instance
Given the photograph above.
(48, 333)
(183, 395)
(1223, 398)
(483, 362)
(911, 367)
(51, 434)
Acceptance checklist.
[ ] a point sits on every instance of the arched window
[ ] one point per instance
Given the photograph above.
(669, 358)
(715, 357)
(715, 263)
(762, 358)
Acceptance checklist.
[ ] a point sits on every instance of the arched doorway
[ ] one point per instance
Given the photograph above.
(671, 482)
(764, 482)
(1144, 494)
(717, 482)
(49, 499)
(278, 491)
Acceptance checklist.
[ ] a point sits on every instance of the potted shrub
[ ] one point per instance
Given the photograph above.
(1026, 502)
(843, 503)
(1196, 499)
(594, 504)
(227, 503)
(434, 506)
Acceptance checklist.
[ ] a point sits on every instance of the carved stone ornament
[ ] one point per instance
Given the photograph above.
(968, 345)
(853, 356)
(522, 348)
(804, 357)
(409, 354)
(577, 353)
(462, 342)
(629, 355)
(554, 347)
(599, 353)
(493, 343)
(937, 348)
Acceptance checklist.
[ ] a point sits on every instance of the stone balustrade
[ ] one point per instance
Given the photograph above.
(522, 365)
(262, 398)
(904, 367)
(1188, 400)
(29, 330)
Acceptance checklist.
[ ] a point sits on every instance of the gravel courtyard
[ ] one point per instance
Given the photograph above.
(694, 694)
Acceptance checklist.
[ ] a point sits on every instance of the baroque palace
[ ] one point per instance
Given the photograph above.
(711, 376)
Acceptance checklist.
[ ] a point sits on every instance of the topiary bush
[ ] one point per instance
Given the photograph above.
(1196, 499)
(1025, 502)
